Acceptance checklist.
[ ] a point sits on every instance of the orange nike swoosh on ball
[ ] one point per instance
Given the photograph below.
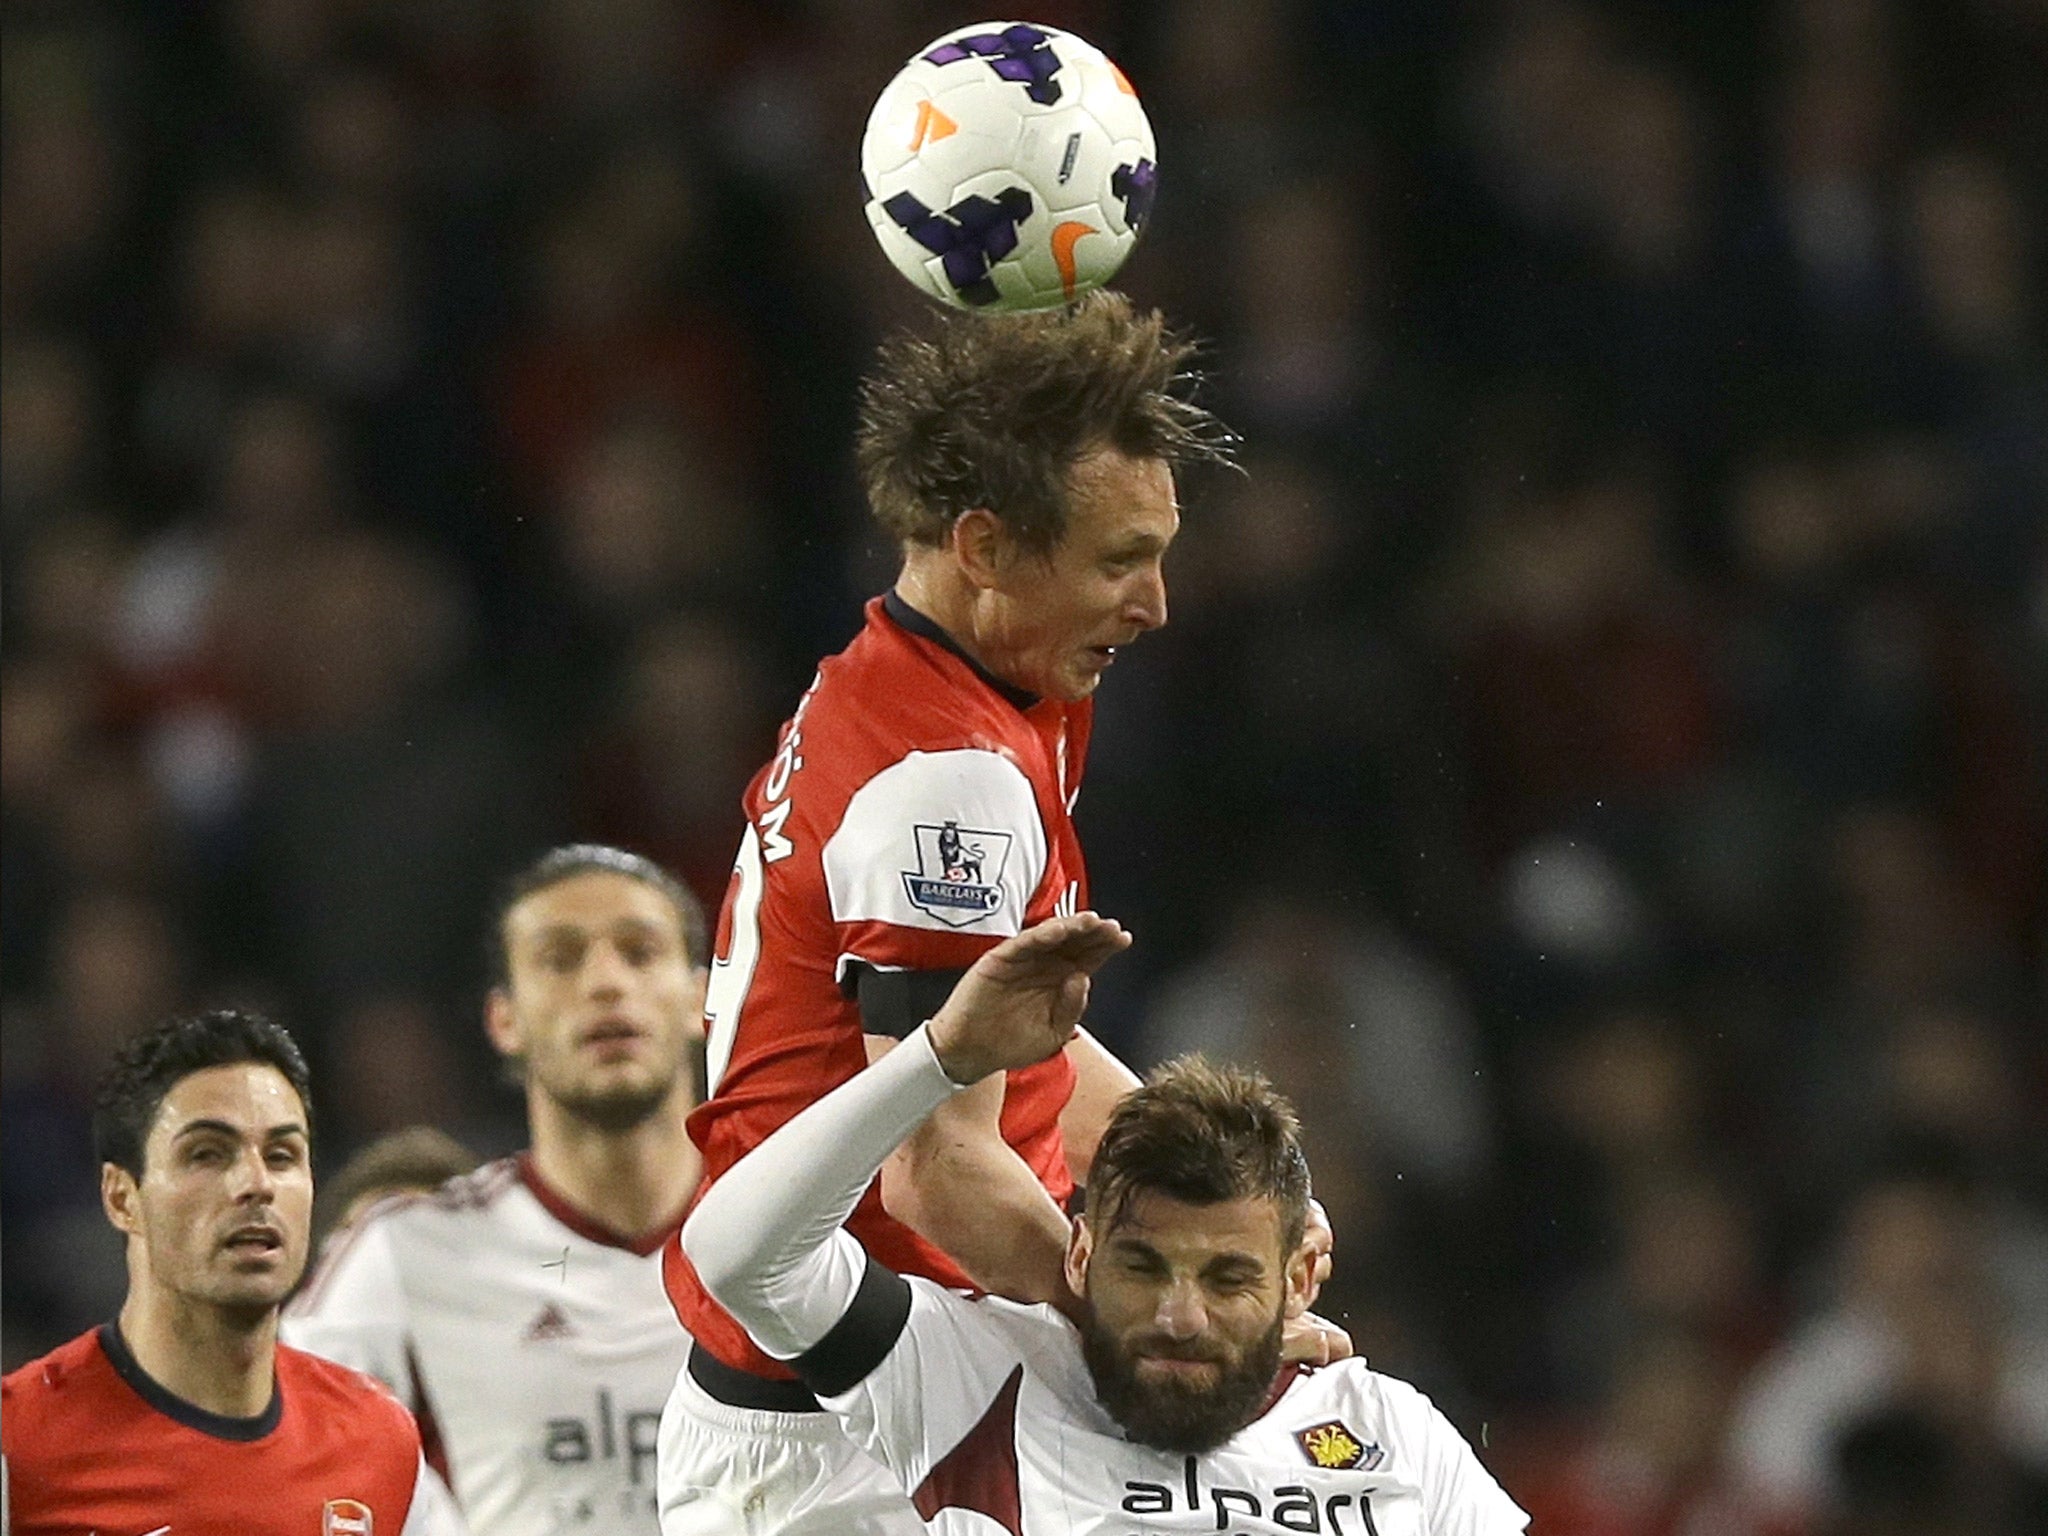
(1063, 238)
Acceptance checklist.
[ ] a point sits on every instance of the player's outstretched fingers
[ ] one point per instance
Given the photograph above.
(1022, 1000)
(1313, 1340)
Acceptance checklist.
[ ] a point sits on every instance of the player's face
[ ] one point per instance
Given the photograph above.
(225, 1202)
(1184, 1311)
(604, 1002)
(1054, 623)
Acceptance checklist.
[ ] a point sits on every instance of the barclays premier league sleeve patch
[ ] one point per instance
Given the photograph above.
(959, 873)
(943, 841)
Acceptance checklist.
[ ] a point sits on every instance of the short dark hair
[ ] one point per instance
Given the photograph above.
(1202, 1132)
(994, 410)
(155, 1061)
(573, 859)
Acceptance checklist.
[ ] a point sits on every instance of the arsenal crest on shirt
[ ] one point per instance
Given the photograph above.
(347, 1517)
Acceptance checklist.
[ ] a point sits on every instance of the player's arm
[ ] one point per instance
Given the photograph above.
(767, 1239)
(1460, 1497)
(1100, 1083)
(956, 1183)
(433, 1511)
(354, 1309)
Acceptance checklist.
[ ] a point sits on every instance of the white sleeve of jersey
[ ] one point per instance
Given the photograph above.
(354, 1308)
(949, 841)
(433, 1511)
(953, 1362)
(1459, 1495)
(766, 1239)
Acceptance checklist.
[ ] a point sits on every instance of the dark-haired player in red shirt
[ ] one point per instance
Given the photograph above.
(185, 1415)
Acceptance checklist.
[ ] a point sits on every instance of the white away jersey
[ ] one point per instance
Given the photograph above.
(986, 1413)
(538, 1348)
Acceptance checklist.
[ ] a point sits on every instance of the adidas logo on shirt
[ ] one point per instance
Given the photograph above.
(551, 1324)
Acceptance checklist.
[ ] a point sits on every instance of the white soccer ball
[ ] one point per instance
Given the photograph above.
(1008, 166)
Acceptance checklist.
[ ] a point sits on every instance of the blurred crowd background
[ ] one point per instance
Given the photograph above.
(1596, 763)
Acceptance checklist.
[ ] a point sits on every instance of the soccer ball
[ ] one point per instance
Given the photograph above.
(1008, 166)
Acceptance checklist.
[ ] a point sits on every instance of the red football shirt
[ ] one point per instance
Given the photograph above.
(95, 1444)
(917, 812)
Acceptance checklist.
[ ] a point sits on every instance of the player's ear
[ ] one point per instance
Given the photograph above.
(118, 1198)
(981, 544)
(1300, 1278)
(500, 1023)
(1079, 1246)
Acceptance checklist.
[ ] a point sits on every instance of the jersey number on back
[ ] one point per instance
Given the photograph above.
(733, 972)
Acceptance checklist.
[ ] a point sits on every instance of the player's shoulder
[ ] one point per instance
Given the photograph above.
(895, 687)
(71, 1375)
(465, 1197)
(1030, 1330)
(341, 1394)
(1392, 1408)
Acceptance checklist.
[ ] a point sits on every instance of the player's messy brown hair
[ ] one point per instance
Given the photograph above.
(1202, 1132)
(993, 411)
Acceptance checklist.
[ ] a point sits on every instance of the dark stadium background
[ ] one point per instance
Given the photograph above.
(1596, 764)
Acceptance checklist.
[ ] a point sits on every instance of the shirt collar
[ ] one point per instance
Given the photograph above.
(907, 617)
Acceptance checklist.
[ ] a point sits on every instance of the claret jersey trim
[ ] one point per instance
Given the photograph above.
(980, 1473)
(581, 1222)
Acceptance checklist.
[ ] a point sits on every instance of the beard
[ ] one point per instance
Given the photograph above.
(612, 1108)
(1171, 1415)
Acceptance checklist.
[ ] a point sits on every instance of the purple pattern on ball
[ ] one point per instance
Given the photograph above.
(1021, 53)
(968, 238)
(1137, 185)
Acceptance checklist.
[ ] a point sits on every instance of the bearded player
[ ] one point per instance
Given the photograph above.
(917, 812)
(185, 1413)
(1159, 1402)
(519, 1309)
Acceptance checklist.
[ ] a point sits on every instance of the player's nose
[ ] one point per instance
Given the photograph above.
(1145, 603)
(252, 1177)
(1180, 1313)
(605, 971)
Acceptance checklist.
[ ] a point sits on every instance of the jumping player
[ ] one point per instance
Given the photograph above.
(1163, 1404)
(918, 811)
(519, 1309)
(185, 1413)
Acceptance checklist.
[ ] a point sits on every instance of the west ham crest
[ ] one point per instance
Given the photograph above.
(959, 874)
(1334, 1448)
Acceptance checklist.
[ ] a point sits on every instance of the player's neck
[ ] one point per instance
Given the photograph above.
(220, 1360)
(633, 1182)
(932, 585)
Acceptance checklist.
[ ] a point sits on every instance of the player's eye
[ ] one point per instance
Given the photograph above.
(284, 1155)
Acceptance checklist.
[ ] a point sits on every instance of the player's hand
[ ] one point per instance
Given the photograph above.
(1022, 1000)
(1321, 1242)
(1307, 1338)
(1312, 1340)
